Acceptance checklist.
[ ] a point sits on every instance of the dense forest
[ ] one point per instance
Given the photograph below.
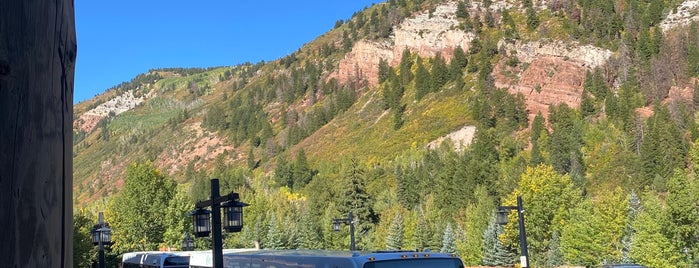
(613, 180)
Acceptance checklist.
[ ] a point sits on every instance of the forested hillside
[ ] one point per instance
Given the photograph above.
(585, 108)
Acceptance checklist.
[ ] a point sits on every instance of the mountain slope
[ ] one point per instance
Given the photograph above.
(162, 115)
(586, 108)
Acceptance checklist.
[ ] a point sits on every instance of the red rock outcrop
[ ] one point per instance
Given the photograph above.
(546, 81)
(362, 62)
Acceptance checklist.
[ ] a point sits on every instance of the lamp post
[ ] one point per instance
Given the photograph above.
(502, 220)
(101, 236)
(209, 221)
(349, 220)
(187, 242)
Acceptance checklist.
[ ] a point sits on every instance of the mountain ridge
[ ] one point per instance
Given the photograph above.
(426, 33)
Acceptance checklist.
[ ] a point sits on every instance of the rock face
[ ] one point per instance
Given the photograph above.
(37, 61)
(428, 35)
(115, 106)
(363, 61)
(424, 34)
(554, 74)
(685, 15)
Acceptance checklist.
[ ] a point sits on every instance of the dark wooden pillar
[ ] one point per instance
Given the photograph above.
(37, 62)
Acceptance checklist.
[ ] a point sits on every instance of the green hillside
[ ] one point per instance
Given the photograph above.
(603, 155)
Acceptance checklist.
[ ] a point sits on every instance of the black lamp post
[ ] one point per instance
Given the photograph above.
(349, 220)
(209, 221)
(502, 220)
(187, 242)
(101, 236)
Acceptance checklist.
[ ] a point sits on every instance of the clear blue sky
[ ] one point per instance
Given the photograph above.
(119, 39)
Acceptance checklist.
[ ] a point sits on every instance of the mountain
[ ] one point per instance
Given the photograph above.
(439, 105)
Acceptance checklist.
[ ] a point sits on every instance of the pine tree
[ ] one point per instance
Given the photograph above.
(461, 11)
(439, 73)
(302, 172)
(422, 80)
(448, 240)
(508, 24)
(663, 149)
(356, 199)
(405, 67)
(275, 236)
(627, 241)
(537, 129)
(308, 232)
(383, 70)
(457, 64)
(554, 254)
(394, 239)
(494, 252)
(565, 141)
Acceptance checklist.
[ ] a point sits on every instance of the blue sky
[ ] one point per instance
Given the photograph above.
(119, 39)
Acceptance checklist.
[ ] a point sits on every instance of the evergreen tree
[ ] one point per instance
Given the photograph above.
(275, 236)
(508, 25)
(422, 80)
(478, 215)
(284, 172)
(587, 105)
(383, 70)
(532, 19)
(302, 172)
(554, 254)
(405, 67)
(537, 129)
(448, 240)
(439, 73)
(461, 11)
(565, 140)
(494, 252)
(457, 64)
(633, 210)
(394, 239)
(309, 234)
(663, 148)
(356, 199)
(693, 51)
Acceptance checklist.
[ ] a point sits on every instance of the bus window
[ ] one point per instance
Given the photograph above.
(416, 263)
(176, 262)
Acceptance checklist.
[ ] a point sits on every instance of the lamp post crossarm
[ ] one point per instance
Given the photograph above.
(345, 220)
(508, 207)
(218, 200)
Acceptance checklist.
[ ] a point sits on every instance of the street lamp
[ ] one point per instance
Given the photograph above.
(187, 242)
(209, 221)
(502, 220)
(101, 236)
(349, 220)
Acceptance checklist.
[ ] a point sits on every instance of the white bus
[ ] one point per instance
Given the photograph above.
(327, 259)
(159, 259)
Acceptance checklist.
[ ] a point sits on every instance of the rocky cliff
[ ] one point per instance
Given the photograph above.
(554, 72)
(549, 73)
